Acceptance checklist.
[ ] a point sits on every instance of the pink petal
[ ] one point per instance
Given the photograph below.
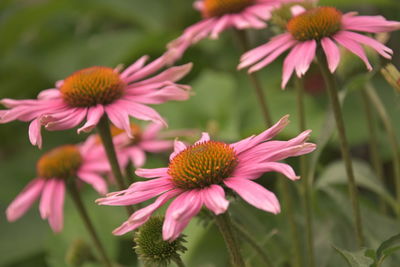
(134, 67)
(255, 170)
(56, 216)
(152, 131)
(93, 117)
(35, 136)
(254, 194)
(250, 142)
(290, 63)
(373, 24)
(25, 199)
(307, 50)
(332, 53)
(214, 199)
(68, 122)
(178, 148)
(49, 94)
(119, 117)
(204, 138)
(157, 146)
(96, 181)
(180, 212)
(352, 46)
(45, 206)
(137, 156)
(172, 74)
(221, 24)
(385, 51)
(147, 70)
(151, 173)
(141, 216)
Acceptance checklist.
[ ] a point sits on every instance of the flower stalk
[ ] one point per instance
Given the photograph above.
(344, 147)
(305, 176)
(387, 122)
(75, 195)
(104, 131)
(254, 80)
(225, 226)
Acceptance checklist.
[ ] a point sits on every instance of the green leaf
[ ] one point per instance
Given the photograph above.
(356, 259)
(387, 248)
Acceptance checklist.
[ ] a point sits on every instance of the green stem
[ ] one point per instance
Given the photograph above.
(387, 122)
(254, 80)
(333, 96)
(73, 190)
(178, 261)
(296, 245)
(253, 243)
(103, 128)
(373, 142)
(243, 43)
(304, 174)
(224, 224)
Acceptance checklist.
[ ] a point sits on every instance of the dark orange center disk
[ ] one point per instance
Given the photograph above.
(202, 165)
(315, 24)
(92, 86)
(216, 8)
(61, 162)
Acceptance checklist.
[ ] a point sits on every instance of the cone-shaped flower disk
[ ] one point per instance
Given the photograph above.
(54, 169)
(321, 26)
(92, 92)
(198, 174)
(220, 15)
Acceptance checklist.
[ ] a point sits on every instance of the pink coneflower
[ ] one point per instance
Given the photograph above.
(321, 26)
(92, 92)
(197, 175)
(54, 171)
(219, 15)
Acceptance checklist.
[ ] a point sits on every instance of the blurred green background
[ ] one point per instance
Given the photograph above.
(42, 41)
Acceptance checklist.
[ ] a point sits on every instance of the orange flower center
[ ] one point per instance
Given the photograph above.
(61, 162)
(202, 165)
(92, 86)
(315, 24)
(215, 8)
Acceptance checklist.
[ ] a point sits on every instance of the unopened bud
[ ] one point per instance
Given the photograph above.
(392, 76)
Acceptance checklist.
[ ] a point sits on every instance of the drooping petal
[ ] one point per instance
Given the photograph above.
(35, 136)
(56, 216)
(137, 156)
(45, 206)
(254, 194)
(95, 180)
(179, 213)
(151, 173)
(372, 24)
(353, 47)
(25, 199)
(141, 216)
(214, 199)
(307, 50)
(332, 53)
(93, 117)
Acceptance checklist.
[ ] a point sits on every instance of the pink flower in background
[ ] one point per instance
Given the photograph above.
(322, 26)
(219, 15)
(198, 174)
(54, 169)
(90, 93)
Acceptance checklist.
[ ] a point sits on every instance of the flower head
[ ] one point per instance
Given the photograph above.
(54, 170)
(321, 26)
(88, 94)
(220, 15)
(198, 174)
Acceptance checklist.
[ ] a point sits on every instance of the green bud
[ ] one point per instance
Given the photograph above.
(281, 16)
(79, 253)
(152, 249)
(392, 76)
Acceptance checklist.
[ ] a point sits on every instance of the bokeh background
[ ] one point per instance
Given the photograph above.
(42, 41)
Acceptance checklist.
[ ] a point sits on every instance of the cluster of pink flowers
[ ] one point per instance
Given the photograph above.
(197, 175)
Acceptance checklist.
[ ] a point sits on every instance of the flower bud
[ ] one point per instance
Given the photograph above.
(152, 249)
(392, 76)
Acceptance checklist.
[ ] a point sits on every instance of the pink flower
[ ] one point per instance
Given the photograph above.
(54, 169)
(322, 26)
(197, 175)
(219, 15)
(90, 93)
